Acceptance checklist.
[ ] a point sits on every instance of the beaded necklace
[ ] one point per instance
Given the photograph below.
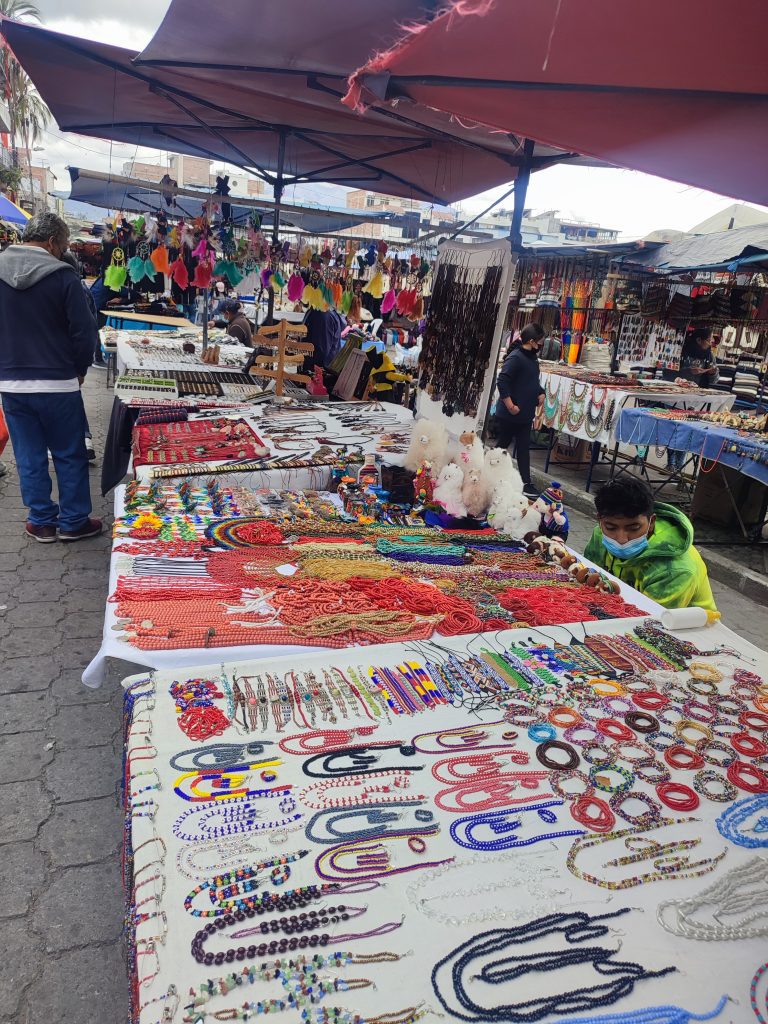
(225, 889)
(356, 761)
(504, 824)
(742, 890)
(326, 794)
(298, 975)
(731, 824)
(374, 860)
(322, 828)
(241, 814)
(575, 927)
(665, 856)
(650, 1015)
(518, 875)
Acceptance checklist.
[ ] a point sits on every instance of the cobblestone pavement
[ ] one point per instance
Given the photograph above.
(60, 760)
(60, 754)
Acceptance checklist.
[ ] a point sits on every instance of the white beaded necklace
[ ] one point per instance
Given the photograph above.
(518, 874)
(743, 890)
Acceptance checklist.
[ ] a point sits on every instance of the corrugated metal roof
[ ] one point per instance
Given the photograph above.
(701, 252)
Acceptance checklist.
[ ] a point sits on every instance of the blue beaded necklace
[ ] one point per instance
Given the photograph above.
(731, 821)
(501, 824)
(650, 1015)
(574, 927)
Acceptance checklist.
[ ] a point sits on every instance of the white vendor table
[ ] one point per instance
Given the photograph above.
(112, 646)
(606, 404)
(165, 353)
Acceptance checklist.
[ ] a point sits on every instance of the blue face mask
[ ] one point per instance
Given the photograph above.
(628, 550)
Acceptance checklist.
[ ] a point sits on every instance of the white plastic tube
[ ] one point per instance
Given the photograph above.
(684, 618)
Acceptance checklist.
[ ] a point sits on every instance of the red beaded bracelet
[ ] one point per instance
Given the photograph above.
(615, 730)
(686, 801)
(749, 746)
(650, 700)
(754, 720)
(603, 821)
(683, 757)
(747, 776)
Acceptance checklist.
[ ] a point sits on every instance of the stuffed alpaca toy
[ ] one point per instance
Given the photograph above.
(473, 493)
(502, 495)
(448, 490)
(517, 518)
(553, 518)
(470, 453)
(498, 466)
(428, 444)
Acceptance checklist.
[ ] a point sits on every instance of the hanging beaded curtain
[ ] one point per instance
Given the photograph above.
(459, 333)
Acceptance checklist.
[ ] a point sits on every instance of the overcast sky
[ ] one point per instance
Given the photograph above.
(633, 203)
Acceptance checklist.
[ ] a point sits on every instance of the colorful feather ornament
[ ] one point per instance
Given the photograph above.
(200, 252)
(180, 274)
(305, 256)
(203, 274)
(136, 269)
(277, 281)
(375, 287)
(295, 287)
(354, 309)
(116, 272)
(388, 302)
(160, 261)
(346, 301)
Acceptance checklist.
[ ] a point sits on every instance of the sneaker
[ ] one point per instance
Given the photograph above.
(43, 534)
(99, 364)
(90, 528)
(530, 491)
(90, 450)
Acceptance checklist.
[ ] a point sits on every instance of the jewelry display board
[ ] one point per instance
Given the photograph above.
(449, 390)
(481, 876)
(164, 353)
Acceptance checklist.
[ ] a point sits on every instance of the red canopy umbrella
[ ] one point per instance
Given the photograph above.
(678, 89)
(275, 124)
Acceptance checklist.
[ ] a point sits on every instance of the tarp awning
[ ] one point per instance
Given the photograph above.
(718, 250)
(117, 192)
(675, 89)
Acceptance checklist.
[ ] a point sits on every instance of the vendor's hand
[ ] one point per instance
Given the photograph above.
(81, 380)
(540, 400)
(114, 302)
(510, 406)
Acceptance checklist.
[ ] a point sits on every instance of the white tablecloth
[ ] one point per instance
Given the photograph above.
(620, 399)
(705, 971)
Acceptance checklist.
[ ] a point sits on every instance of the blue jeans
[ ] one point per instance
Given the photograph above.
(52, 422)
(675, 459)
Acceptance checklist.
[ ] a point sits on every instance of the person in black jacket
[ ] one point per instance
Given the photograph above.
(520, 394)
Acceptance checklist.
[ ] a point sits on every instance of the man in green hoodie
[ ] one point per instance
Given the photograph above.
(648, 546)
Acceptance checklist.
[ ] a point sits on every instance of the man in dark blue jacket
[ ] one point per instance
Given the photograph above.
(520, 394)
(47, 341)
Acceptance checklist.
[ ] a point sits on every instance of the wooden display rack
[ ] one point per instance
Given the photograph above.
(287, 352)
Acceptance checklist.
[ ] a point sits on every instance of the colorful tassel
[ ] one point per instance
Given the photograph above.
(354, 309)
(203, 274)
(295, 287)
(180, 274)
(135, 269)
(375, 286)
(114, 277)
(278, 281)
(200, 251)
(160, 260)
(234, 274)
(346, 301)
(388, 302)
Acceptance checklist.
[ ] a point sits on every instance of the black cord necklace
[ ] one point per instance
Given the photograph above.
(359, 761)
(575, 927)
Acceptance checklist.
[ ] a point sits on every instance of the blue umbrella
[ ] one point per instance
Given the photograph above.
(11, 213)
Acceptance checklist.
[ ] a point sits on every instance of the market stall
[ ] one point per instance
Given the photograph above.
(136, 351)
(588, 405)
(524, 826)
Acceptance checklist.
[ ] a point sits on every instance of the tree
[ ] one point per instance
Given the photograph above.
(28, 114)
